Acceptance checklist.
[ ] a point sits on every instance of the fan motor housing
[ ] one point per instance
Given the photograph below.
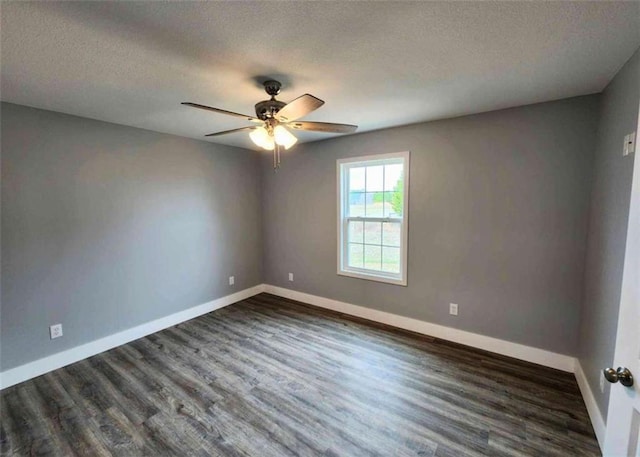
(268, 108)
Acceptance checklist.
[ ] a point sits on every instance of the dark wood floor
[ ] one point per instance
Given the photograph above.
(271, 377)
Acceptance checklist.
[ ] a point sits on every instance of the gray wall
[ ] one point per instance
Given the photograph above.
(498, 214)
(105, 227)
(608, 226)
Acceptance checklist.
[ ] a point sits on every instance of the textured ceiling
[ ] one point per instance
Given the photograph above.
(376, 64)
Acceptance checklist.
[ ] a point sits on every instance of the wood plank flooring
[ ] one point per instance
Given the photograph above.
(271, 377)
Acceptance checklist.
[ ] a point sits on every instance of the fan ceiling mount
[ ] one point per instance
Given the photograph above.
(274, 119)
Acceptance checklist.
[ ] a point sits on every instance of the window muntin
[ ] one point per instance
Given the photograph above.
(372, 229)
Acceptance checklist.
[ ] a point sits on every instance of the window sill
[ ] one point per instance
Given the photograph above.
(373, 277)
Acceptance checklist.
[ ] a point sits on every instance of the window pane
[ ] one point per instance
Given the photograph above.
(356, 232)
(393, 177)
(375, 181)
(393, 204)
(387, 209)
(391, 234)
(372, 257)
(356, 204)
(373, 232)
(391, 259)
(356, 179)
(374, 204)
(356, 255)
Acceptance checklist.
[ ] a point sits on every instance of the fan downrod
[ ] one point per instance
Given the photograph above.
(267, 109)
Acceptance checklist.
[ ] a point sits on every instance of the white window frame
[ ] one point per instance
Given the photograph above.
(342, 167)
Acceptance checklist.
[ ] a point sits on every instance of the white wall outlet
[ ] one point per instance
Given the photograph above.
(291, 277)
(601, 381)
(625, 146)
(232, 280)
(453, 309)
(55, 331)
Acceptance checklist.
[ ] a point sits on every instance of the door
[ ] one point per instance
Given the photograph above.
(623, 419)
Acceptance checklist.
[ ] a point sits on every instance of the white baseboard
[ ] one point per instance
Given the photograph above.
(515, 350)
(46, 364)
(597, 420)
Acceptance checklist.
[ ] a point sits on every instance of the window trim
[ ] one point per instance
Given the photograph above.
(342, 206)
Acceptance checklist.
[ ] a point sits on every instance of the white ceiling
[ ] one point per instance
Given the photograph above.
(376, 64)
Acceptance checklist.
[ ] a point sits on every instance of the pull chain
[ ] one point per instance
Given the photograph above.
(276, 157)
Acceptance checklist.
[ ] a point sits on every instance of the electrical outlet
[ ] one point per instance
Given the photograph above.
(55, 331)
(291, 277)
(625, 146)
(232, 280)
(453, 309)
(601, 381)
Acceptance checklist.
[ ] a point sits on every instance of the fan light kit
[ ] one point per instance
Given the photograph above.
(274, 118)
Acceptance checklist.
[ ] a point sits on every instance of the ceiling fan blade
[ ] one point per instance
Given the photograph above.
(299, 107)
(327, 127)
(243, 129)
(221, 111)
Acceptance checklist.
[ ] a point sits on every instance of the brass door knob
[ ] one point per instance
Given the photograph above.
(622, 374)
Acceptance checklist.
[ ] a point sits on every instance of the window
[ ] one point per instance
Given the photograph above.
(372, 217)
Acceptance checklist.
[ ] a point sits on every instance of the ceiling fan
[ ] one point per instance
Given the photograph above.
(274, 118)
